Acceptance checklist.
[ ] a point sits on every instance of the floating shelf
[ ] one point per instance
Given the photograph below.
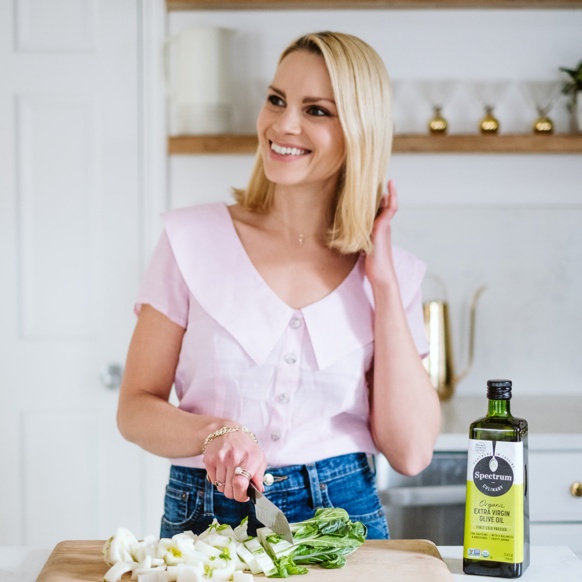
(364, 4)
(411, 144)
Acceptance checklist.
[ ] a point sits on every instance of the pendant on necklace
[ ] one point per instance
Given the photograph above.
(301, 239)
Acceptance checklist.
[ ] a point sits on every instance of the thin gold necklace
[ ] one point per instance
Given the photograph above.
(301, 236)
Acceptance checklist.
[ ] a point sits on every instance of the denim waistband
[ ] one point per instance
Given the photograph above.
(291, 477)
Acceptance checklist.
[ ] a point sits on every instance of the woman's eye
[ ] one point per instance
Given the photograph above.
(275, 100)
(317, 111)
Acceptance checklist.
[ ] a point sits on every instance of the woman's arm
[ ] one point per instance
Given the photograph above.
(146, 417)
(405, 410)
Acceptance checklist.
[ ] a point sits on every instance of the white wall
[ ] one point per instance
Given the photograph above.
(510, 221)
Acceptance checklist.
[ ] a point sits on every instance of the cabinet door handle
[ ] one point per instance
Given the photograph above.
(576, 489)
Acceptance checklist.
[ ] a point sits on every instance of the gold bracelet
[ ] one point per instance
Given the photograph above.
(225, 430)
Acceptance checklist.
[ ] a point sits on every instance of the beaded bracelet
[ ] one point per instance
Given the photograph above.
(225, 430)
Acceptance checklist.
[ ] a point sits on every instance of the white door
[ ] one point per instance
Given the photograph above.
(71, 242)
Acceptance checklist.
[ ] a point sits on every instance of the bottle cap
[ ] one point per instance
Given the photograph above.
(499, 389)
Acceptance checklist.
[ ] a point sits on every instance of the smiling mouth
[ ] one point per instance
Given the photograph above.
(288, 151)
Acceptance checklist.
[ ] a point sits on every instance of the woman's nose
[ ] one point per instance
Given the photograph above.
(289, 121)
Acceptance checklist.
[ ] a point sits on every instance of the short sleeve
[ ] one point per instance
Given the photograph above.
(163, 286)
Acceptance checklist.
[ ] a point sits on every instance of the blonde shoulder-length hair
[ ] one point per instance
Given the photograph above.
(362, 94)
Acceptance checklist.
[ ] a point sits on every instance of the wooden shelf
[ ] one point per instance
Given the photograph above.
(505, 144)
(365, 4)
(212, 144)
(411, 144)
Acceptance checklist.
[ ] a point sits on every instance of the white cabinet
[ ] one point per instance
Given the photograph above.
(555, 511)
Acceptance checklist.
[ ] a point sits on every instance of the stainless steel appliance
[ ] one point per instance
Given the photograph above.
(430, 505)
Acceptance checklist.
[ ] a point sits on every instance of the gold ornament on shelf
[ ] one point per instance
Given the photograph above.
(543, 125)
(489, 93)
(489, 124)
(542, 95)
(438, 124)
(437, 94)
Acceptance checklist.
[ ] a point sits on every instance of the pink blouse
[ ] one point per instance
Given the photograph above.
(295, 377)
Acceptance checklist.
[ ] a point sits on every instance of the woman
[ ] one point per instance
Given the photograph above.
(290, 326)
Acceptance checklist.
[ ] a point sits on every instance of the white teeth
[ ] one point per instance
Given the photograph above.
(286, 151)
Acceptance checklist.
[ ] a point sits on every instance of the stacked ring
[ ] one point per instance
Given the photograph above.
(243, 473)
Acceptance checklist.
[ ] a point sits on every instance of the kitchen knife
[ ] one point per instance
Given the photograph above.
(269, 514)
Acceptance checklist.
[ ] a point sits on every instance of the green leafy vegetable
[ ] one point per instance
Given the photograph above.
(325, 539)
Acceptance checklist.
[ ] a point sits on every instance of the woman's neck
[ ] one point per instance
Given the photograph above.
(301, 214)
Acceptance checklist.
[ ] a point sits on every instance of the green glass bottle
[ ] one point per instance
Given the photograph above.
(496, 539)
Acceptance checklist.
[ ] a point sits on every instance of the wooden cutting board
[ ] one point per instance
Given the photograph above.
(375, 561)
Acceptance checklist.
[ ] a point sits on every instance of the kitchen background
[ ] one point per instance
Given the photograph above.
(83, 127)
(511, 222)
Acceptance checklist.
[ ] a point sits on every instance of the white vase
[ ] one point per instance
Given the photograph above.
(200, 90)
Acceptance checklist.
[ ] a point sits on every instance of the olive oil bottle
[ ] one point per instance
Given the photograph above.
(496, 541)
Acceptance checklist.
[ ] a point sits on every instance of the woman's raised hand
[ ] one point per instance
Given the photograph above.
(379, 264)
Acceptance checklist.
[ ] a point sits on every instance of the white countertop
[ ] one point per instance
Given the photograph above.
(554, 421)
(548, 564)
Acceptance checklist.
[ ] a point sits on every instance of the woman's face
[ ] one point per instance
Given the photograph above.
(300, 136)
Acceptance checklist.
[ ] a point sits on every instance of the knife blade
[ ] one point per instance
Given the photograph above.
(269, 514)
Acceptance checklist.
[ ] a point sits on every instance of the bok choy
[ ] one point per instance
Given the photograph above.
(224, 554)
(325, 539)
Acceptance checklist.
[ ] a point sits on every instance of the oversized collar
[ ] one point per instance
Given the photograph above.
(222, 278)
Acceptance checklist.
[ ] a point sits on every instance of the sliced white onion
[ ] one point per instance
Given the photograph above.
(215, 555)
(116, 571)
(158, 575)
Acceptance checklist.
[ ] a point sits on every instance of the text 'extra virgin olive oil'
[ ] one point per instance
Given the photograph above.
(497, 511)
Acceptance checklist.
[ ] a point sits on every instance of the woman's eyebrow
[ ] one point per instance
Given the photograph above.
(316, 99)
(305, 99)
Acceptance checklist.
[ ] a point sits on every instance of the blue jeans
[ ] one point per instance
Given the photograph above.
(346, 481)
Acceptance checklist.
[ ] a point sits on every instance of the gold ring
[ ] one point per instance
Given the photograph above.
(243, 473)
(218, 484)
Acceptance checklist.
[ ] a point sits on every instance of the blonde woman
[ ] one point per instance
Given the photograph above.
(289, 324)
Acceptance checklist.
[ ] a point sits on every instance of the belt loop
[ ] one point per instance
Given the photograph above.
(314, 485)
(208, 497)
(372, 463)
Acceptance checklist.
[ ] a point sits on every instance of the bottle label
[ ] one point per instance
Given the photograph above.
(494, 510)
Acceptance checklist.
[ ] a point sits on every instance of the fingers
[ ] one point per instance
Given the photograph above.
(388, 202)
(218, 484)
(260, 478)
(232, 462)
(239, 484)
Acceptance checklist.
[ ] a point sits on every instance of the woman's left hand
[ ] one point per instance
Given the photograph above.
(378, 263)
